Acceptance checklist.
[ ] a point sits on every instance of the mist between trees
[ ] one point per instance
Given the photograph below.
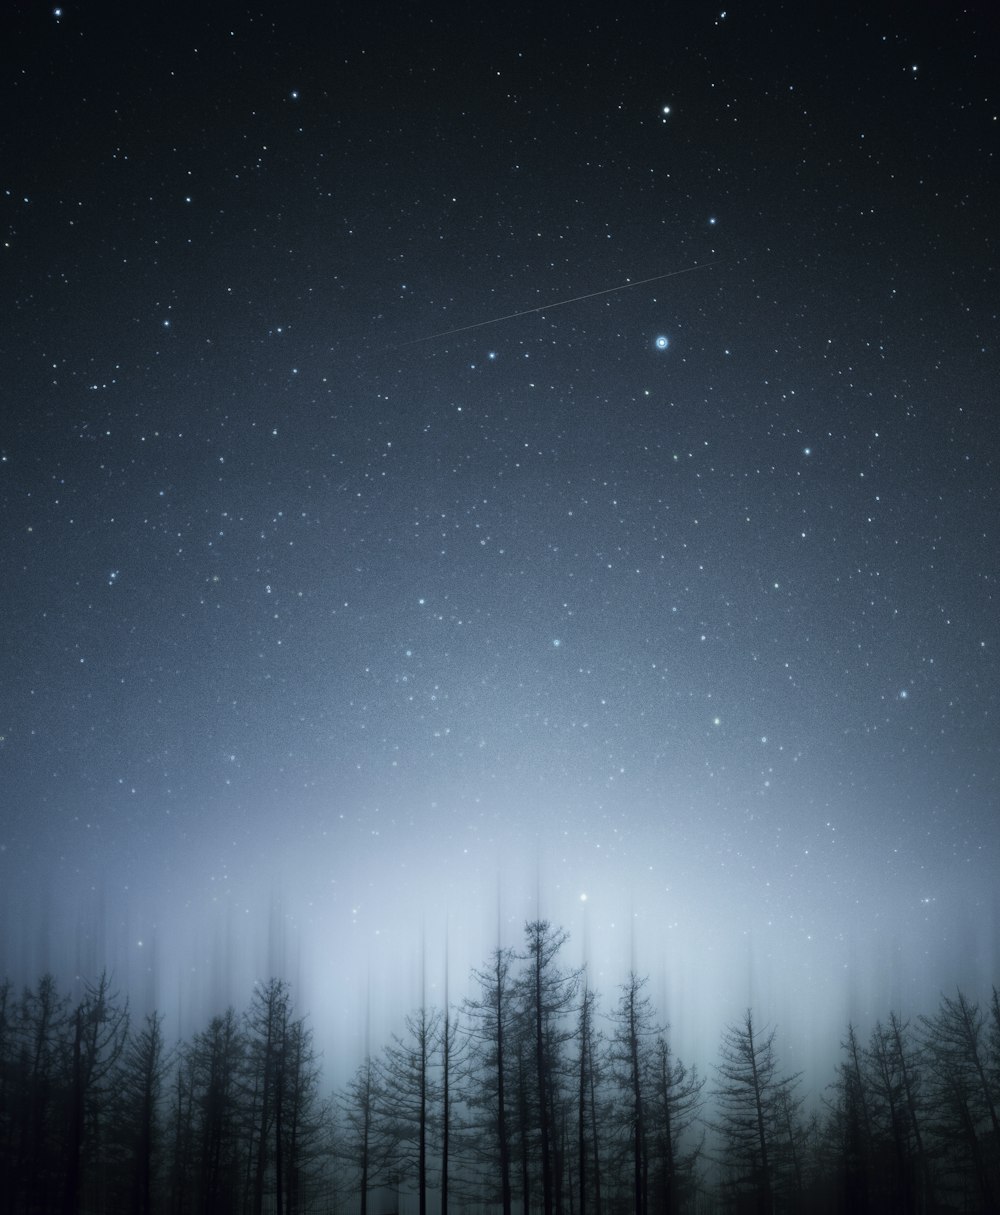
(533, 1094)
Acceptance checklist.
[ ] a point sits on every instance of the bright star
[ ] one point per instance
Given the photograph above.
(662, 342)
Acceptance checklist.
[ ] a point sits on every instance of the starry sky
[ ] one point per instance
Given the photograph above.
(337, 609)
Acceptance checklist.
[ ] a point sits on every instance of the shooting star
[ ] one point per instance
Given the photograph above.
(496, 320)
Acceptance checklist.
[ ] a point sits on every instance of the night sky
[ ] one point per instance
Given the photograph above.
(325, 625)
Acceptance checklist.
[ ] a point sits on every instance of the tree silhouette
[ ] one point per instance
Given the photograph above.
(488, 1019)
(305, 1119)
(209, 1107)
(675, 1106)
(546, 996)
(754, 1107)
(362, 1144)
(964, 1117)
(850, 1130)
(410, 1096)
(40, 1036)
(451, 1046)
(894, 1067)
(138, 1114)
(266, 1032)
(588, 1128)
(98, 1033)
(635, 1030)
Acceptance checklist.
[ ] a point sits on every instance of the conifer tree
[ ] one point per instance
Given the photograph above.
(547, 993)
(139, 1085)
(635, 1029)
(489, 1028)
(98, 1030)
(752, 1100)
(675, 1107)
(894, 1065)
(962, 1103)
(411, 1096)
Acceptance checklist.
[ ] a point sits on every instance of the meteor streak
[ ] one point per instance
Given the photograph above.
(496, 320)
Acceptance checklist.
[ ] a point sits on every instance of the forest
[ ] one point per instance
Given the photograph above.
(529, 1095)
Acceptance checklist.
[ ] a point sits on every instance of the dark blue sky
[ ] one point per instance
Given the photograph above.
(304, 611)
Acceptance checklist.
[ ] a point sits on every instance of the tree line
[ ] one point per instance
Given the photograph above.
(526, 1096)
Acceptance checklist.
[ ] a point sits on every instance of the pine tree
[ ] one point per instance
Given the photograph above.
(850, 1131)
(489, 1028)
(547, 994)
(139, 1086)
(304, 1120)
(37, 1115)
(98, 1033)
(266, 1031)
(411, 1096)
(589, 1067)
(675, 1106)
(635, 1029)
(964, 1111)
(895, 1071)
(753, 1101)
(212, 1086)
(365, 1144)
